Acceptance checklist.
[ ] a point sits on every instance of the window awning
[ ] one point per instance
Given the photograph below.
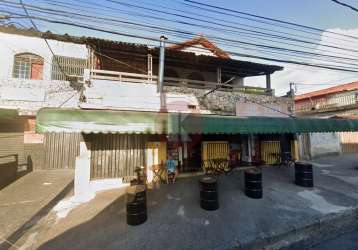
(108, 121)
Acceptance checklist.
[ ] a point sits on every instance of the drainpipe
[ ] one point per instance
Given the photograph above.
(161, 72)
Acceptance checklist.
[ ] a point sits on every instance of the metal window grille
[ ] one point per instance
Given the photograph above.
(70, 65)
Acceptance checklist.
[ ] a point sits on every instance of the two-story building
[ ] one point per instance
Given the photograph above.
(104, 102)
(335, 102)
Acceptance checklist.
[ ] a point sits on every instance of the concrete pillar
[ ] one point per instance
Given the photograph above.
(268, 81)
(82, 188)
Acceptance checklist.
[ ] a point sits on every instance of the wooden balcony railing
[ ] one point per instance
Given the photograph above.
(175, 82)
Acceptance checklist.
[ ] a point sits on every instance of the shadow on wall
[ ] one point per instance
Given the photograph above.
(10, 169)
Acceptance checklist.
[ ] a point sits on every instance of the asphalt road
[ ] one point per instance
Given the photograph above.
(348, 241)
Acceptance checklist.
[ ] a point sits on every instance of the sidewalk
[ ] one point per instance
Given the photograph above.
(286, 214)
(24, 202)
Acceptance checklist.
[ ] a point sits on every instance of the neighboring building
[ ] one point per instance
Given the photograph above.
(31, 77)
(335, 102)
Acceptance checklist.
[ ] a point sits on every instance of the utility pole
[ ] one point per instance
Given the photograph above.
(292, 94)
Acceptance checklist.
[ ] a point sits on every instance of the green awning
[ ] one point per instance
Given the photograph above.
(208, 124)
(107, 121)
(104, 121)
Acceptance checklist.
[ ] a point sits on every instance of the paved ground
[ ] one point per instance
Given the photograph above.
(177, 222)
(24, 202)
(347, 241)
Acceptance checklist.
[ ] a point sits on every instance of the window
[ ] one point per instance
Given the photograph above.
(28, 66)
(70, 65)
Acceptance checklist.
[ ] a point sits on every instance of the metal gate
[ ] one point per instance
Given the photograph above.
(349, 142)
(61, 150)
(116, 155)
(214, 150)
(270, 151)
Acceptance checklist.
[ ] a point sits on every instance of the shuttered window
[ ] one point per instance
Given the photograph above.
(70, 65)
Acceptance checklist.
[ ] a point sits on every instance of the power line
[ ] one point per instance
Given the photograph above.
(136, 14)
(230, 26)
(345, 5)
(222, 39)
(325, 66)
(47, 43)
(267, 18)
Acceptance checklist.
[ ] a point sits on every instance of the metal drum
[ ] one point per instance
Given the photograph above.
(209, 199)
(303, 174)
(253, 184)
(136, 205)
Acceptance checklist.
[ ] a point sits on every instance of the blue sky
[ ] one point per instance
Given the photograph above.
(323, 14)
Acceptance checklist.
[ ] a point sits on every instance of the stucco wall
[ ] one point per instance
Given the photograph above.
(324, 144)
(34, 94)
(11, 44)
(139, 96)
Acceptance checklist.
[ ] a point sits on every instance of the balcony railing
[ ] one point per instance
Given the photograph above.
(176, 82)
(328, 103)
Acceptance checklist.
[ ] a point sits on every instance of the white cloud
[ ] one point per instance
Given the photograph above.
(309, 75)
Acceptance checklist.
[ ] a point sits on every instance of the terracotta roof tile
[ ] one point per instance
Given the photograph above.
(327, 91)
(200, 40)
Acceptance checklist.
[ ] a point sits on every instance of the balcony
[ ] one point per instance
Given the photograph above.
(326, 104)
(176, 82)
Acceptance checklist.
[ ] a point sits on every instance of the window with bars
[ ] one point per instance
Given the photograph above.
(28, 66)
(70, 65)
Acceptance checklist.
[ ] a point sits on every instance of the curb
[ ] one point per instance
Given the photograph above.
(309, 235)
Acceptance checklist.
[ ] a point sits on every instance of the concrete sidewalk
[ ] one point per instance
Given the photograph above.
(287, 214)
(24, 202)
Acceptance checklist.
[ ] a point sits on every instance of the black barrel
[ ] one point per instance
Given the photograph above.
(253, 184)
(303, 174)
(209, 199)
(136, 205)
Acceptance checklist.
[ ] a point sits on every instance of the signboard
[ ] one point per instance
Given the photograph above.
(266, 109)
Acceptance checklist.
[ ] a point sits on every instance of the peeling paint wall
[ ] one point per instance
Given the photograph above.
(224, 102)
(30, 95)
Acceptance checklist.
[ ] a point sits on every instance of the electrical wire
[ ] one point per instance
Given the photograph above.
(345, 5)
(131, 35)
(215, 38)
(247, 35)
(270, 19)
